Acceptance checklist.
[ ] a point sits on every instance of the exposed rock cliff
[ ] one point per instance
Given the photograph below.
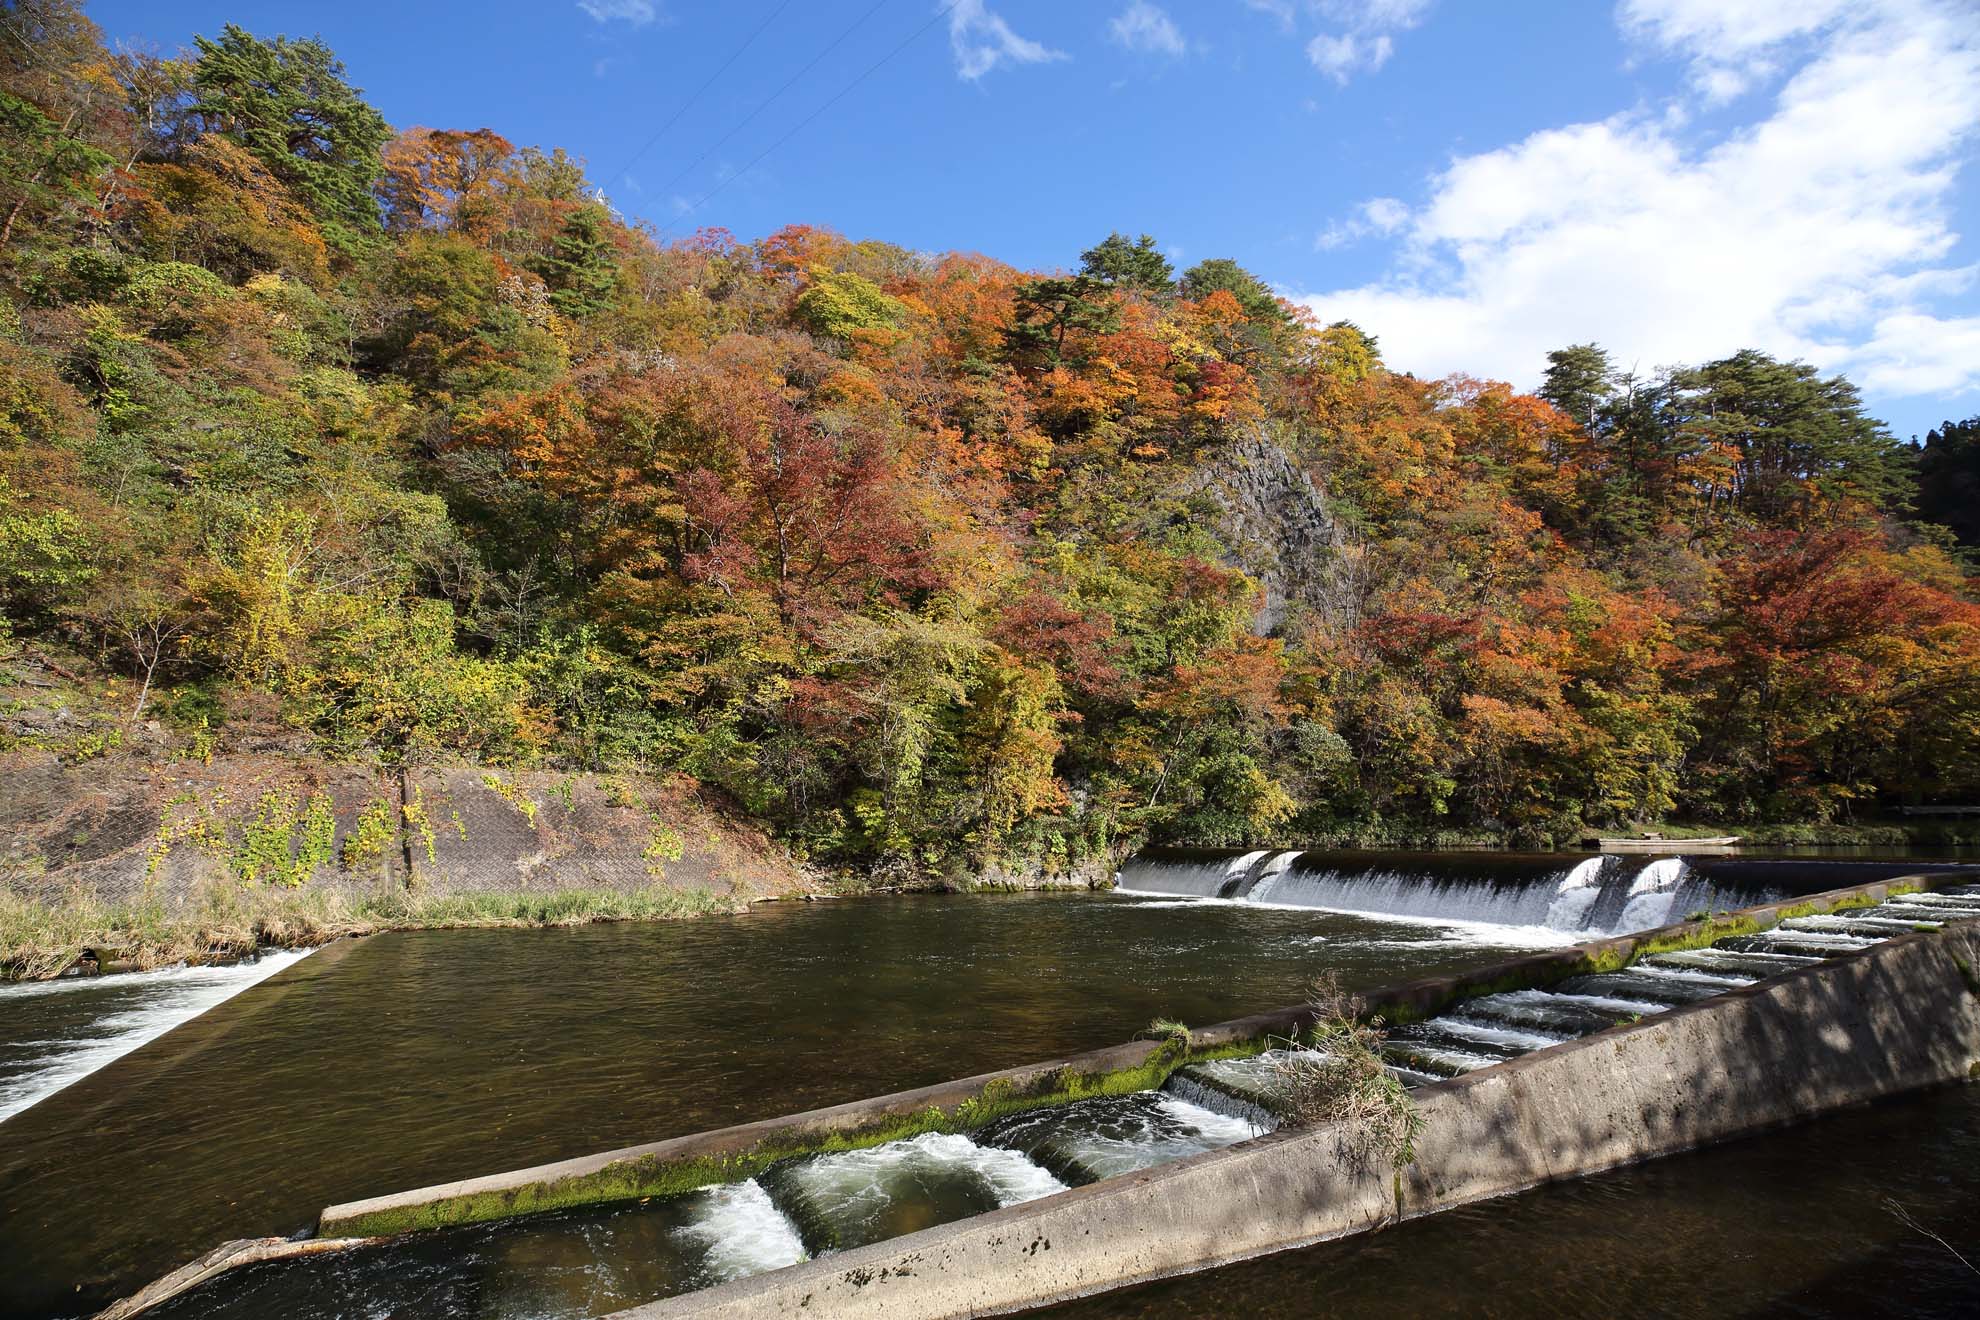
(1275, 522)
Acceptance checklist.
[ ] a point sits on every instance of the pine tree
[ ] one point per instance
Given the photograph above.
(288, 103)
(1948, 467)
(582, 268)
(1580, 383)
(1131, 264)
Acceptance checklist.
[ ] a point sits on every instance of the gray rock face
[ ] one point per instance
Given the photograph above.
(1276, 527)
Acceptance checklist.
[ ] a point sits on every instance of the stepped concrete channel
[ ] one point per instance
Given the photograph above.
(1039, 1184)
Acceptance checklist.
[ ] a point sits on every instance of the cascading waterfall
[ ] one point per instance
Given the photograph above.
(1652, 895)
(1595, 895)
(1579, 889)
(1270, 873)
(742, 1232)
(1193, 878)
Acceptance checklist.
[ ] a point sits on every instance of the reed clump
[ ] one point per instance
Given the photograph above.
(1341, 1081)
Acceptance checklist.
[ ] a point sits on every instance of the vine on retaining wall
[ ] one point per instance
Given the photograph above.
(284, 840)
(664, 843)
(369, 836)
(512, 794)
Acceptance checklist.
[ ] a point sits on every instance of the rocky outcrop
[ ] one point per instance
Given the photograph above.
(1275, 523)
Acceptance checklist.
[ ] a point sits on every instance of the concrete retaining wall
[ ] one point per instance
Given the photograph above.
(96, 828)
(1897, 1016)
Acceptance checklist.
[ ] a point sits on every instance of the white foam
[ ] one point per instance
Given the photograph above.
(1648, 910)
(1579, 891)
(1457, 930)
(1570, 910)
(744, 1232)
(1697, 975)
(850, 1179)
(173, 996)
(1216, 1129)
(1583, 874)
(1012, 1175)
(1269, 874)
(1611, 1003)
(1516, 1037)
(1658, 876)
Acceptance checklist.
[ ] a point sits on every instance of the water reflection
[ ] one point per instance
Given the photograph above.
(1788, 1225)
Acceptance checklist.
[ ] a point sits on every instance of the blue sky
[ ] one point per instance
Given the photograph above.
(1473, 183)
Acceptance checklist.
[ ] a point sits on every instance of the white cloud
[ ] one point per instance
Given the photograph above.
(1279, 9)
(1147, 28)
(1727, 27)
(1362, 41)
(1733, 45)
(1365, 15)
(1819, 231)
(982, 40)
(1341, 57)
(1914, 353)
(1377, 216)
(636, 12)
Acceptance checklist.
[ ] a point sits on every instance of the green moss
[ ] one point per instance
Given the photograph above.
(1966, 974)
(649, 1176)
(1697, 936)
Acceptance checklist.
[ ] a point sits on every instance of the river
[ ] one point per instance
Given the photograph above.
(401, 1060)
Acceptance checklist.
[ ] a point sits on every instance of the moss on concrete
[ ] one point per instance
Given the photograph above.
(653, 1176)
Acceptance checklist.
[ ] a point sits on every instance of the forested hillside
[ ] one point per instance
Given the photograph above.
(406, 438)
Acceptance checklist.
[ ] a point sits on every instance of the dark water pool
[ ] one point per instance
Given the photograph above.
(1807, 1222)
(402, 1060)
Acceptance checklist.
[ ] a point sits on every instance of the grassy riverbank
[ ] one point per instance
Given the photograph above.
(38, 940)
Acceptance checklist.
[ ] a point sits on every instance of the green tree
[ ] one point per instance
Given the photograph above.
(1129, 263)
(582, 266)
(1779, 432)
(1261, 305)
(1948, 467)
(840, 302)
(288, 103)
(1050, 315)
(1580, 382)
(41, 166)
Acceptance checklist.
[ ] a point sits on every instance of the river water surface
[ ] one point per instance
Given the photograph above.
(378, 1065)
(401, 1060)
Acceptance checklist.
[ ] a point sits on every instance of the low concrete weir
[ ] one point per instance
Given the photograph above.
(1868, 1020)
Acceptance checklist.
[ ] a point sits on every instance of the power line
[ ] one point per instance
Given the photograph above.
(695, 95)
(871, 69)
(764, 104)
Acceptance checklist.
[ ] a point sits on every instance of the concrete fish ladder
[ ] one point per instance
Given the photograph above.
(1891, 1018)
